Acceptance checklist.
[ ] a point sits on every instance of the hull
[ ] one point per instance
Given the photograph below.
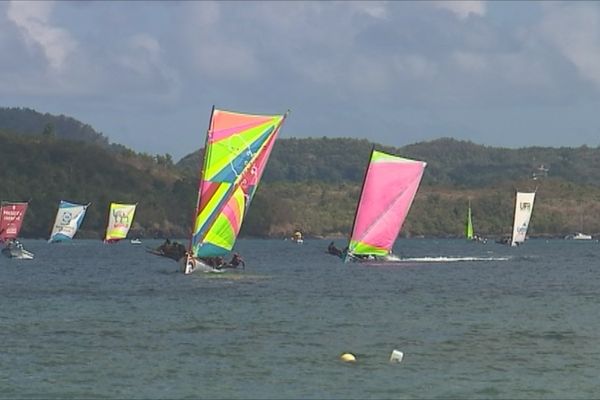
(19, 254)
(189, 265)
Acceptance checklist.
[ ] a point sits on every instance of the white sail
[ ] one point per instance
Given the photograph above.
(523, 210)
(68, 219)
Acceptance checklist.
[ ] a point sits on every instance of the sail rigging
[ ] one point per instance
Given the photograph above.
(120, 219)
(235, 155)
(389, 187)
(68, 220)
(523, 211)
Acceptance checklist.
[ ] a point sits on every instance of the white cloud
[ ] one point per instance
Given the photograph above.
(375, 9)
(469, 61)
(33, 19)
(574, 30)
(462, 9)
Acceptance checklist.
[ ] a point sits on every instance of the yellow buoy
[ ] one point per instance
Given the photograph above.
(348, 357)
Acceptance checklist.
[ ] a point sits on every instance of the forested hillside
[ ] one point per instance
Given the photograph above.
(309, 184)
(25, 121)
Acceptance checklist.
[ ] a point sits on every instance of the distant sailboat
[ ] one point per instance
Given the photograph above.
(235, 155)
(469, 231)
(68, 220)
(523, 210)
(120, 219)
(388, 190)
(11, 220)
(469, 224)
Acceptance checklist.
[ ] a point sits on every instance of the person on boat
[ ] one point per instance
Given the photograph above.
(214, 262)
(331, 249)
(174, 250)
(236, 261)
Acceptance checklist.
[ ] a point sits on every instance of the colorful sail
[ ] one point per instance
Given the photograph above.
(389, 188)
(68, 219)
(469, 225)
(11, 219)
(120, 218)
(523, 210)
(236, 153)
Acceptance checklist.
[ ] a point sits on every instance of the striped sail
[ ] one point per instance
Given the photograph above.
(389, 188)
(11, 219)
(523, 210)
(120, 218)
(68, 219)
(236, 153)
(469, 225)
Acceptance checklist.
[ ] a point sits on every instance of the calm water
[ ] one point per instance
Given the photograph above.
(90, 320)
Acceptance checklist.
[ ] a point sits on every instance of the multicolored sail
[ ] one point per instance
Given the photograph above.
(389, 188)
(120, 218)
(236, 153)
(68, 220)
(523, 211)
(11, 219)
(469, 225)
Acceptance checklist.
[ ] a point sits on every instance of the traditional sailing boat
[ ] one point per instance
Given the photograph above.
(469, 232)
(469, 225)
(236, 152)
(523, 211)
(120, 218)
(12, 215)
(68, 219)
(388, 190)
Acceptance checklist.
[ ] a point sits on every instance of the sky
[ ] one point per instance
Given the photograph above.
(146, 74)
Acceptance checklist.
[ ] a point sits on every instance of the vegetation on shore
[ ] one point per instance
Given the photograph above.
(309, 184)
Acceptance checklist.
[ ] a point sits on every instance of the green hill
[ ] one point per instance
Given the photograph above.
(25, 121)
(309, 184)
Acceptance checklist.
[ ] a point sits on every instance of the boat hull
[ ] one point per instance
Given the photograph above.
(189, 265)
(19, 254)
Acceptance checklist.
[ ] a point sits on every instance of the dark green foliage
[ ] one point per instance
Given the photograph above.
(26, 121)
(309, 184)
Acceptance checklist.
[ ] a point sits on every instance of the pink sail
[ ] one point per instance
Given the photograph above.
(11, 219)
(389, 188)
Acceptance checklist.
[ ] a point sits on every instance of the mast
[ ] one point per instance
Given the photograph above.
(202, 168)
(362, 188)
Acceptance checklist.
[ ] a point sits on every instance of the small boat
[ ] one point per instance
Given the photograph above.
(578, 236)
(12, 215)
(14, 249)
(135, 241)
(389, 188)
(469, 233)
(120, 218)
(68, 220)
(523, 210)
(236, 152)
(297, 237)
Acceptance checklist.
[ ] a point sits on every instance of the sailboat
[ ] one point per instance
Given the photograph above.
(469, 225)
(68, 219)
(523, 211)
(236, 152)
(120, 218)
(12, 215)
(388, 190)
(469, 232)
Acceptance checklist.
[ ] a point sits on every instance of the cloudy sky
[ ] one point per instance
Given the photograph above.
(146, 74)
